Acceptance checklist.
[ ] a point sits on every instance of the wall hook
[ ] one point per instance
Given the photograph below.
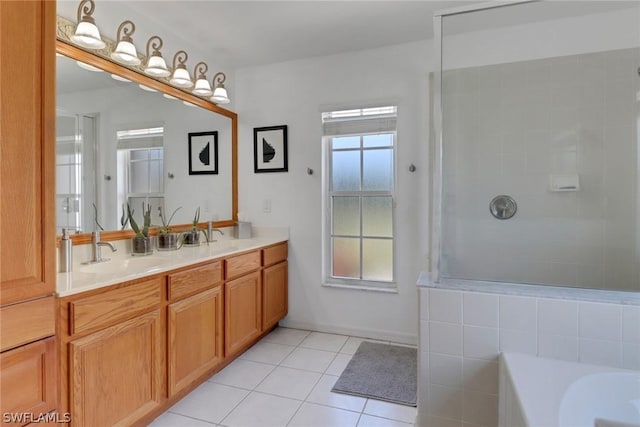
(170, 175)
(309, 171)
(412, 167)
(107, 177)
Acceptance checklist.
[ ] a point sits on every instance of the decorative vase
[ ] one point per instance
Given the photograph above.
(168, 241)
(141, 246)
(191, 238)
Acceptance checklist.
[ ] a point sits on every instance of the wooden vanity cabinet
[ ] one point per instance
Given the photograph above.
(242, 302)
(130, 351)
(115, 344)
(195, 324)
(274, 284)
(28, 381)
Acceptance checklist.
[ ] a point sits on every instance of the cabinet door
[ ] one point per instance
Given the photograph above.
(27, 79)
(195, 337)
(274, 294)
(243, 312)
(116, 373)
(28, 379)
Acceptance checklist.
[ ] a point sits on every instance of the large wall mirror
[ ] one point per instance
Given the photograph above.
(122, 137)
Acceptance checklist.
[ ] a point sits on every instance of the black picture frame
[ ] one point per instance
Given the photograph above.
(270, 149)
(203, 153)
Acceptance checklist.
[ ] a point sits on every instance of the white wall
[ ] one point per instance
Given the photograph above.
(294, 93)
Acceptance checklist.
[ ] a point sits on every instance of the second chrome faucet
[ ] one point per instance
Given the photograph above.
(96, 249)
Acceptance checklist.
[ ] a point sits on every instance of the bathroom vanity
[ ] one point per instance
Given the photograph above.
(132, 347)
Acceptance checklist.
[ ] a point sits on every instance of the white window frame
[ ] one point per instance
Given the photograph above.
(137, 139)
(328, 193)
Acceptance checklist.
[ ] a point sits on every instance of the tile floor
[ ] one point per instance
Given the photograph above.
(285, 380)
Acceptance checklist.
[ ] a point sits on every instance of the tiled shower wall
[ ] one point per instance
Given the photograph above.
(507, 128)
(462, 334)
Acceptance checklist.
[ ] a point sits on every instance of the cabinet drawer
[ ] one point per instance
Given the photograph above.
(274, 254)
(242, 264)
(112, 306)
(195, 279)
(28, 379)
(26, 322)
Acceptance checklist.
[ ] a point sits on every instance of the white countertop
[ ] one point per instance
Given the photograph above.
(123, 267)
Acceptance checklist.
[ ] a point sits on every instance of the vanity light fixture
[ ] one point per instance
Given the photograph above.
(180, 77)
(87, 34)
(120, 78)
(126, 52)
(89, 67)
(203, 88)
(189, 104)
(147, 88)
(166, 95)
(220, 95)
(156, 65)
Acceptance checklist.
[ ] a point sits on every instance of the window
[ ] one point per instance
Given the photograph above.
(141, 169)
(359, 233)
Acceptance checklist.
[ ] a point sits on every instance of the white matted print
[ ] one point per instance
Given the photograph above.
(270, 149)
(203, 153)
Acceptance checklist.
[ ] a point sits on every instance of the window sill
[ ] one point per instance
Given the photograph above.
(384, 290)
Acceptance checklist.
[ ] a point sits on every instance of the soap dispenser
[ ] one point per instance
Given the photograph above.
(66, 252)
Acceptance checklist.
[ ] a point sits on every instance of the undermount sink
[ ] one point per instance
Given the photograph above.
(114, 266)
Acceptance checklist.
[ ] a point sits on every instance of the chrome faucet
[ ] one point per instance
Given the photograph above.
(210, 231)
(96, 249)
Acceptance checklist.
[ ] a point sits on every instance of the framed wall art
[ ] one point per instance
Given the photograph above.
(203, 153)
(270, 149)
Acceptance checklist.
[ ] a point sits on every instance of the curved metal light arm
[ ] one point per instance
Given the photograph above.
(125, 30)
(221, 78)
(155, 43)
(87, 7)
(181, 57)
(200, 70)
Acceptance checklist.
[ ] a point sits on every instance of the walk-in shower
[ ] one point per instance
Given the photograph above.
(536, 108)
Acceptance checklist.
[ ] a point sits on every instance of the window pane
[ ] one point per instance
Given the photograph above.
(377, 219)
(378, 170)
(139, 177)
(346, 216)
(156, 175)
(346, 257)
(345, 142)
(156, 153)
(381, 140)
(346, 171)
(377, 260)
(156, 202)
(139, 154)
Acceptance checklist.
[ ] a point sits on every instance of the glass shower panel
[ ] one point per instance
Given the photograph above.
(68, 173)
(540, 103)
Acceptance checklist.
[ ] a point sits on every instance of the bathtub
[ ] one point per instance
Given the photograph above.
(538, 392)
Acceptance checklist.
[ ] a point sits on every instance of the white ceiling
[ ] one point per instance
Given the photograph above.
(239, 33)
(246, 33)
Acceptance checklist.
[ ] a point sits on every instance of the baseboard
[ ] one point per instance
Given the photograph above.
(411, 339)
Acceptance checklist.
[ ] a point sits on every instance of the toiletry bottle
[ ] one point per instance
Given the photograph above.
(66, 252)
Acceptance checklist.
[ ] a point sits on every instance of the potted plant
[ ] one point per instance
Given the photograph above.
(142, 243)
(167, 239)
(192, 237)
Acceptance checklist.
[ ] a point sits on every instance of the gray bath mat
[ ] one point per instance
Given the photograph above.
(383, 372)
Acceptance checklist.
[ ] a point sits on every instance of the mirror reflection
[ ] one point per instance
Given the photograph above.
(118, 142)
